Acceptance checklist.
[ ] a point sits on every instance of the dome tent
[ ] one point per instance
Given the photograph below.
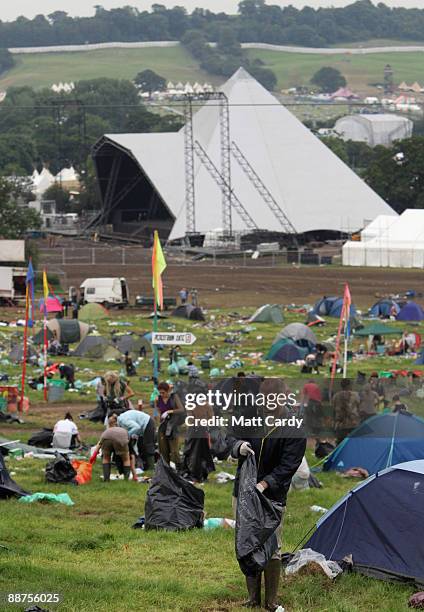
(384, 309)
(268, 313)
(411, 312)
(379, 524)
(93, 312)
(298, 332)
(379, 442)
(187, 311)
(87, 344)
(286, 351)
(331, 307)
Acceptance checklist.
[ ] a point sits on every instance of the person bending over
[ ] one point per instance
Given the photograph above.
(114, 440)
(141, 430)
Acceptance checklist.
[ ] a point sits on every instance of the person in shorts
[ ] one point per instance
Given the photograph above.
(114, 440)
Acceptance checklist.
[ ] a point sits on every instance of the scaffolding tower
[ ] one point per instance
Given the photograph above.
(189, 154)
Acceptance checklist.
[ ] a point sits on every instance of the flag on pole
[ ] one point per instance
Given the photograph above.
(45, 287)
(158, 267)
(30, 282)
(347, 302)
(29, 322)
(46, 295)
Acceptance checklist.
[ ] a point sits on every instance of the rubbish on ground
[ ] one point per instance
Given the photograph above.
(223, 477)
(313, 562)
(59, 498)
(215, 523)
(318, 509)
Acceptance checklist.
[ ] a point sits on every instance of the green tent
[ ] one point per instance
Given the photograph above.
(104, 352)
(92, 312)
(268, 313)
(377, 329)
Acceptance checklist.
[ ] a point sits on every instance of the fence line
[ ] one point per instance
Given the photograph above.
(130, 256)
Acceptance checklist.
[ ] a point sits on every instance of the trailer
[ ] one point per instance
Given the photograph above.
(12, 284)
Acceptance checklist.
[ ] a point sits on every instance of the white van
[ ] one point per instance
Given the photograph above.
(106, 291)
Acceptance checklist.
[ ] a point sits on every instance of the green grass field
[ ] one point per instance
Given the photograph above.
(294, 69)
(90, 555)
(42, 70)
(175, 64)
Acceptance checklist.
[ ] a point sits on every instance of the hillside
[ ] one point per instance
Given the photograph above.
(291, 69)
(42, 70)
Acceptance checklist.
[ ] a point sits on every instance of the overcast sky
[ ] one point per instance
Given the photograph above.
(11, 9)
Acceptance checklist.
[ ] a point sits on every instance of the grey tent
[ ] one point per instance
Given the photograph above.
(297, 332)
(187, 311)
(103, 351)
(268, 313)
(66, 331)
(16, 354)
(87, 344)
(131, 343)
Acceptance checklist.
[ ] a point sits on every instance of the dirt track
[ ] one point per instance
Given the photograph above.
(232, 287)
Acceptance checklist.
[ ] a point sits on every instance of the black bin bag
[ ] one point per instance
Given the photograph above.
(60, 470)
(256, 521)
(172, 503)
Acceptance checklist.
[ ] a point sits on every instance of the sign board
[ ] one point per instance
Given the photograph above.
(173, 338)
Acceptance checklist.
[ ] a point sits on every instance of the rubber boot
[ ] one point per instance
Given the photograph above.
(253, 584)
(272, 574)
(127, 471)
(106, 472)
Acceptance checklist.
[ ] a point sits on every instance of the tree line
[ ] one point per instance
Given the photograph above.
(38, 127)
(255, 22)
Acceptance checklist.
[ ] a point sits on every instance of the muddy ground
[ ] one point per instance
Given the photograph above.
(231, 286)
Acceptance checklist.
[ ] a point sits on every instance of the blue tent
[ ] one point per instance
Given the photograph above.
(411, 312)
(331, 307)
(379, 442)
(286, 351)
(379, 523)
(384, 308)
(420, 359)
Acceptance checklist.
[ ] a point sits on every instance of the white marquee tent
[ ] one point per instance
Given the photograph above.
(378, 129)
(316, 190)
(399, 244)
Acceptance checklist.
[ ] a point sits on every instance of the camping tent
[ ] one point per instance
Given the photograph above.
(93, 312)
(377, 329)
(16, 354)
(66, 331)
(187, 311)
(384, 309)
(299, 333)
(378, 524)
(87, 344)
(410, 312)
(286, 351)
(331, 307)
(379, 442)
(106, 352)
(268, 313)
(132, 343)
(54, 304)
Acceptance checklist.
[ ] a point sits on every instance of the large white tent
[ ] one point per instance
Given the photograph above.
(374, 129)
(399, 244)
(314, 188)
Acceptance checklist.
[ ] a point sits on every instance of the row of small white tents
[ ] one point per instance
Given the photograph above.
(41, 181)
(63, 87)
(390, 241)
(189, 88)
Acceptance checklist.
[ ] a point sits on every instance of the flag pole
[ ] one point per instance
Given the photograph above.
(337, 352)
(21, 403)
(346, 338)
(45, 287)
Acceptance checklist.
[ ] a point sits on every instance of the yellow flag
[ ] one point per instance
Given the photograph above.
(158, 266)
(45, 287)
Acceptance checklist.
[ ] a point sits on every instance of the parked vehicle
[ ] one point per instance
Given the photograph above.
(106, 291)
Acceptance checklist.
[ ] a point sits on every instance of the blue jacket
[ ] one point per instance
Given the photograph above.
(134, 421)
